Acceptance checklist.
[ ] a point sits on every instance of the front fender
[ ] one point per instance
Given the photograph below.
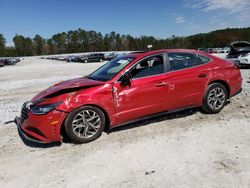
(101, 97)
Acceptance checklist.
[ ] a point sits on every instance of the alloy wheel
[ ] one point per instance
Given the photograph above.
(216, 98)
(86, 124)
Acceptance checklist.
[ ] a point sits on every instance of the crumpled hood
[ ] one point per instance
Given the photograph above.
(76, 83)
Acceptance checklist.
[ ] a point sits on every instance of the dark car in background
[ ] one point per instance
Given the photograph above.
(110, 56)
(95, 57)
(1, 63)
(210, 50)
(10, 61)
(73, 59)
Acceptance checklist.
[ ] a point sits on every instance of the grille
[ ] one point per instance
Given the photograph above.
(24, 113)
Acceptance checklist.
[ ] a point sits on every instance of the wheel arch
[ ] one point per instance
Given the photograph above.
(224, 83)
(107, 123)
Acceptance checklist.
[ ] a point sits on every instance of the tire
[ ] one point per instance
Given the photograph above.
(215, 98)
(83, 130)
(85, 61)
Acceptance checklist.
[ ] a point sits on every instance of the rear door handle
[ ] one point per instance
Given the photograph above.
(202, 75)
(161, 84)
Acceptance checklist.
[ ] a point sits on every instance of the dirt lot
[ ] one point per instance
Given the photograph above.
(186, 149)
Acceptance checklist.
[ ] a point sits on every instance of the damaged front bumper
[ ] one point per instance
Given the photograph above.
(23, 134)
(44, 128)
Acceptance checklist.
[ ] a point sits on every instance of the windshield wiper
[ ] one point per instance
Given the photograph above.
(89, 77)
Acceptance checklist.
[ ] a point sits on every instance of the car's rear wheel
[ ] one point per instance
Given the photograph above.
(215, 98)
(85, 124)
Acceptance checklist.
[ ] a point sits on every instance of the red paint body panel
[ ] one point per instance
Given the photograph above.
(187, 87)
(101, 96)
(49, 126)
(145, 96)
(70, 84)
(142, 98)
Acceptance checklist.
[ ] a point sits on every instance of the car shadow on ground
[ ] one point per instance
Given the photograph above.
(156, 119)
(37, 145)
(160, 118)
(150, 120)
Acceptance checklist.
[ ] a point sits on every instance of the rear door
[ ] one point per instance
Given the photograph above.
(187, 79)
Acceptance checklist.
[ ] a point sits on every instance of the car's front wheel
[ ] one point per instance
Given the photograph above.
(215, 98)
(85, 124)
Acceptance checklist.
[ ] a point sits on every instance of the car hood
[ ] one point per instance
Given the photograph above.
(66, 86)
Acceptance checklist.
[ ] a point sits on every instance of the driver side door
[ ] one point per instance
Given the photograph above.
(146, 93)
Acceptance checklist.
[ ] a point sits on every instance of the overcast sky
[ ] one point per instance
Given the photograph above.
(158, 18)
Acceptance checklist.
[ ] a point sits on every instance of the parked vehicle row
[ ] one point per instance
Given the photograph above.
(240, 53)
(9, 61)
(215, 50)
(92, 57)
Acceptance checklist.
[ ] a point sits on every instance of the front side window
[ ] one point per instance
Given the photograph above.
(110, 69)
(182, 60)
(148, 67)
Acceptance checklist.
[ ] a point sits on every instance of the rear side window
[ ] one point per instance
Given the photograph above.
(202, 59)
(182, 60)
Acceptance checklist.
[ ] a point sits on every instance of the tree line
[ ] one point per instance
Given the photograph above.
(76, 41)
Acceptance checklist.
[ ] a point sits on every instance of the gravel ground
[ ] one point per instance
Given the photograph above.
(185, 149)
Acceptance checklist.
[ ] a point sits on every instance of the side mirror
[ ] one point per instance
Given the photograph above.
(126, 79)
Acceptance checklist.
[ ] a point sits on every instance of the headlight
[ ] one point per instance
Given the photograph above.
(44, 109)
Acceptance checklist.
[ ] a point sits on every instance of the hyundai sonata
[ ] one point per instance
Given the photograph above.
(126, 89)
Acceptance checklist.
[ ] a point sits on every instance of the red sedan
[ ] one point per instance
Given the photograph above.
(127, 89)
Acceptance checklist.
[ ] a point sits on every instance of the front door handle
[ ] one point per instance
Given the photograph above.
(202, 75)
(161, 84)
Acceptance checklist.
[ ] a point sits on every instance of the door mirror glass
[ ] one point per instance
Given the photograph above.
(126, 79)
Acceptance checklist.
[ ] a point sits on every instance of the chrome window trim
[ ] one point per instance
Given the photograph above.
(166, 64)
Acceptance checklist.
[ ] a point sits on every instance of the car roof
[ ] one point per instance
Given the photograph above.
(143, 54)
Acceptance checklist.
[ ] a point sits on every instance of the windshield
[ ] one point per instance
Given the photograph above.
(110, 69)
